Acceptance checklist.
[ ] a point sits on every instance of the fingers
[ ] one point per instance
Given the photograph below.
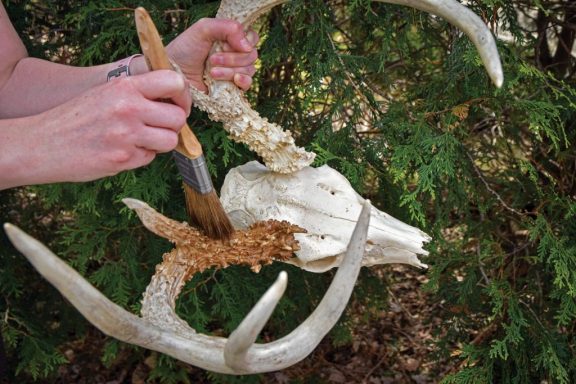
(233, 59)
(225, 30)
(243, 82)
(242, 77)
(234, 70)
(238, 67)
(252, 37)
(191, 50)
(157, 140)
(164, 84)
(225, 73)
(164, 115)
(162, 120)
(150, 121)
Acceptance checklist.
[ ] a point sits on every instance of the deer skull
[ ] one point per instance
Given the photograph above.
(160, 329)
(323, 202)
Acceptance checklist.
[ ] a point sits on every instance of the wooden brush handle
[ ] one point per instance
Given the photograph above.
(157, 58)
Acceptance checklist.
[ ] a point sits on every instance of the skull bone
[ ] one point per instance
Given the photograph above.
(322, 201)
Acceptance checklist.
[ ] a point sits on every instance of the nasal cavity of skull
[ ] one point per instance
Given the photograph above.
(328, 188)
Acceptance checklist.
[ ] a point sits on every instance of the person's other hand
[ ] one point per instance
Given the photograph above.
(235, 63)
(118, 126)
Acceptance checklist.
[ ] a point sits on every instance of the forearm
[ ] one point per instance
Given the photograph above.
(18, 152)
(38, 85)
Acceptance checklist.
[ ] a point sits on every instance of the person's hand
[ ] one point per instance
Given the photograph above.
(235, 63)
(111, 128)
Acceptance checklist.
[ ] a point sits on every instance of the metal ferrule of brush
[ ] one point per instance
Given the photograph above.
(194, 172)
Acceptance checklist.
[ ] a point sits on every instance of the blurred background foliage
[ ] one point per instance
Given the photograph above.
(398, 102)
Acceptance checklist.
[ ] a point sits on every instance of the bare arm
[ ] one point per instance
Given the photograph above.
(29, 86)
(38, 85)
(60, 123)
(11, 48)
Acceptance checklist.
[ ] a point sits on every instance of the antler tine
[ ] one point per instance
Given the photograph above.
(470, 23)
(103, 313)
(245, 335)
(459, 15)
(301, 342)
(200, 350)
(238, 356)
(226, 103)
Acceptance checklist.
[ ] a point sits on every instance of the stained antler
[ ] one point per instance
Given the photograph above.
(226, 103)
(160, 329)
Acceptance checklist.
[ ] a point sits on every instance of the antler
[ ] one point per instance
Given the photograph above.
(226, 103)
(160, 329)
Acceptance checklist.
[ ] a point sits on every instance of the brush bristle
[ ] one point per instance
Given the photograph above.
(206, 211)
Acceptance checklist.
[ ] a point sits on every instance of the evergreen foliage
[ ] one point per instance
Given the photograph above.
(398, 102)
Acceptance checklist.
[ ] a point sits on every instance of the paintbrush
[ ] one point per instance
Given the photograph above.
(202, 203)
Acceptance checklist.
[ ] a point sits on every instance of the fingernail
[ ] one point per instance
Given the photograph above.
(242, 81)
(252, 37)
(182, 81)
(246, 45)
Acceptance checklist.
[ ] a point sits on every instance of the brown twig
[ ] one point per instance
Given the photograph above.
(490, 189)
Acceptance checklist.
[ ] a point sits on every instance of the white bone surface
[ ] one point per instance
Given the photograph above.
(317, 199)
(323, 202)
